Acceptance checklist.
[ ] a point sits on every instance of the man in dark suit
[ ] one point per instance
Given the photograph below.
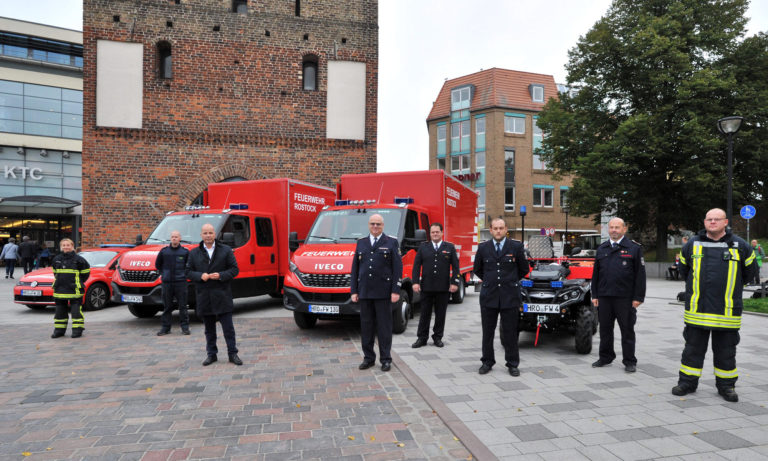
(500, 263)
(211, 266)
(436, 275)
(375, 284)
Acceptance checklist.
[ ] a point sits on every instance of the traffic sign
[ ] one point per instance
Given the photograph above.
(748, 212)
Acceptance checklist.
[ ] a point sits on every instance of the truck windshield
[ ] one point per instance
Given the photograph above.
(188, 224)
(336, 226)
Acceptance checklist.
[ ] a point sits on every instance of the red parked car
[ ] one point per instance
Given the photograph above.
(35, 289)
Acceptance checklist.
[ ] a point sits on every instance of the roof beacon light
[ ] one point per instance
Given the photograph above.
(403, 200)
(557, 284)
(526, 283)
(238, 206)
(342, 202)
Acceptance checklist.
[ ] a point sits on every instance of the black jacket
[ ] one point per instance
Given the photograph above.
(501, 274)
(28, 249)
(214, 296)
(376, 271)
(70, 271)
(619, 272)
(436, 270)
(171, 263)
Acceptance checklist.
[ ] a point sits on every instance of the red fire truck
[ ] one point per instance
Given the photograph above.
(318, 285)
(255, 218)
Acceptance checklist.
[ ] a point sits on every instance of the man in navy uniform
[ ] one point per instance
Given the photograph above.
(171, 262)
(618, 289)
(436, 275)
(375, 284)
(500, 263)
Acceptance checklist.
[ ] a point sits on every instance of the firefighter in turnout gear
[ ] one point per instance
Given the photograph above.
(70, 271)
(715, 265)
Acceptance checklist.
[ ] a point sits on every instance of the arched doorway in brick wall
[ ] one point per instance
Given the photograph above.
(193, 193)
(199, 199)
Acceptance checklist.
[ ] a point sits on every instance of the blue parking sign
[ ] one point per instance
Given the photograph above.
(748, 212)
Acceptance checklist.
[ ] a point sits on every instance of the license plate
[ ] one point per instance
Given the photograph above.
(132, 298)
(31, 292)
(316, 309)
(542, 308)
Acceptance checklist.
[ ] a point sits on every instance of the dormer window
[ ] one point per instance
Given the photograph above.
(460, 98)
(537, 92)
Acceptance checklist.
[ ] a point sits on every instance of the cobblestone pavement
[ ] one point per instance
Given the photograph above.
(561, 408)
(122, 393)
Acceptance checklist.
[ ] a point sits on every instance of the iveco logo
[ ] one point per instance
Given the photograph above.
(139, 263)
(335, 267)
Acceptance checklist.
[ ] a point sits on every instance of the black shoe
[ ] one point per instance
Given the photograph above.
(514, 371)
(599, 364)
(386, 366)
(729, 394)
(484, 369)
(78, 332)
(366, 365)
(439, 343)
(630, 368)
(163, 333)
(185, 332)
(419, 343)
(57, 333)
(683, 389)
(235, 359)
(209, 360)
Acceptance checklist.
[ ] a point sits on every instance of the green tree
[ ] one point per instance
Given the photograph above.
(638, 130)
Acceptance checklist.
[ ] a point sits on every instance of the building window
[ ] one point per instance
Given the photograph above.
(563, 196)
(460, 136)
(41, 110)
(460, 98)
(509, 180)
(441, 133)
(514, 124)
(480, 133)
(441, 164)
(165, 62)
(480, 168)
(480, 199)
(309, 72)
(240, 6)
(538, 136)
(460, 164)
(542, 195)
(537, 93)
(38, 49)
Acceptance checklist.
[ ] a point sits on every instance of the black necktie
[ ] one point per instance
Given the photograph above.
(498, 249)
(375, 239)
(436, 247)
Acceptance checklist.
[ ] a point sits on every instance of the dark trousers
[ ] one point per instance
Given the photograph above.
(176, 290)
(510, 317)
(9, 265)
(438, 299)
(227, 327)
(724, 344)
(610, 309)
(376, 320)
(29, 264)
(65, 307)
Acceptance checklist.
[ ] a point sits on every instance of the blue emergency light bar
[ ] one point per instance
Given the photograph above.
(342, 202)
(526, 283)
(557, 284)
(406, 200)
(238, 206)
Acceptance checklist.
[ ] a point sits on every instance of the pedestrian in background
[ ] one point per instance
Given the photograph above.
(759, 257)
(618, 289)
(45, 256)
(27, 252)
(171, 263)
(70, 271)
(9, 255)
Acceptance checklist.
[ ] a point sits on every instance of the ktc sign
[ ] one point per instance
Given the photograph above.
(23, 172)
(467, 177)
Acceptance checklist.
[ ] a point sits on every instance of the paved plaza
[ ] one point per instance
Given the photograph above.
(122, 393)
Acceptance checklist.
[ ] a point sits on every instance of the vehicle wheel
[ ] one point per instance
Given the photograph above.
(401, 313)
(36, 307)
(96, 297)
(304, 320)
(458, 297)
(143, 312)
(584, 326)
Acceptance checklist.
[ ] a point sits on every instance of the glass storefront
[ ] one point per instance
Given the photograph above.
(48, 230)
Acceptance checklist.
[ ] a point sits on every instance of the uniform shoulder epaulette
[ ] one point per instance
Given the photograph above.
(636, 242)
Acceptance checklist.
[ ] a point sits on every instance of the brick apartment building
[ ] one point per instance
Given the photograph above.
(180, 93)
(482, 129)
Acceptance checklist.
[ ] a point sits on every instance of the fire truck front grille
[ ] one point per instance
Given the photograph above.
(139, 276)
(325, 280)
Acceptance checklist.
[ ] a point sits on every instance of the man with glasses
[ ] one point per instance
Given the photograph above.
(715, 265)
(375, 284)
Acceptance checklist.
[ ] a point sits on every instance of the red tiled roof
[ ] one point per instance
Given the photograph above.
(495, 88)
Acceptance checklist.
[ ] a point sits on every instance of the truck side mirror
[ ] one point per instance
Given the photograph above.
(575, 251)
(139, 240)
(421, 235)
(293, 241)
(228, 238)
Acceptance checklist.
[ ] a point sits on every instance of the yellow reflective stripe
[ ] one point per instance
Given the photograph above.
(733, 269)
(682, 259)
(690, 370)
(65, 271)
(726, 373)
(67, 295)
(85, 271)
(694, 303)
(749, 260)
(711, 320)
(58, 321)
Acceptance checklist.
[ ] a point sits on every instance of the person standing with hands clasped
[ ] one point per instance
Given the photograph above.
(375, 284)
(70, 271)
(436, 275)
(211, 266)
(171, 262)
(618, 289)
(715, 265)
(500, 263)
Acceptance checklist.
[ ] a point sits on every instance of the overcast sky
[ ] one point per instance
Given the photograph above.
(424, 42)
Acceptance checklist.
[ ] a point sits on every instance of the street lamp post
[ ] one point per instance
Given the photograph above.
(522, 215)
(729, 126)
(566, 210)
